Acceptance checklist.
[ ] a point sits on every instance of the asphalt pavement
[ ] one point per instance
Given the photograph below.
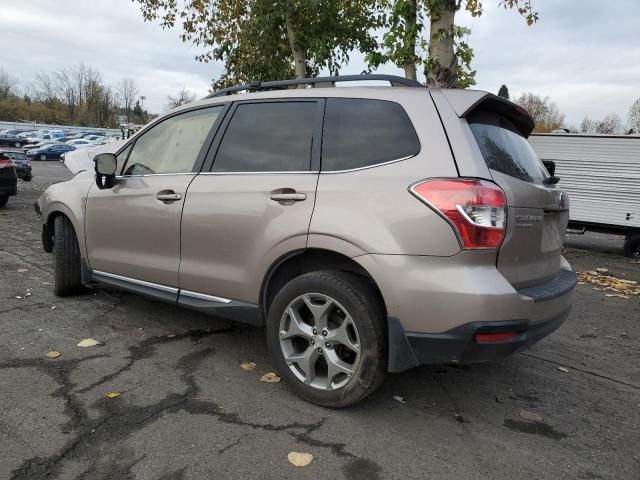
(187, 410)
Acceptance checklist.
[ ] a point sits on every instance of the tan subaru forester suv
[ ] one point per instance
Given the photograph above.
(370, 229)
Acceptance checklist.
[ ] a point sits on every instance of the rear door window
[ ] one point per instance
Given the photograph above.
(504, 149)
(362, 133)
(268, 137)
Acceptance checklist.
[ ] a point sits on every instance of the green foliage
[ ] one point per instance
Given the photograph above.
(504, 92)
(251, 37)
(406, 24)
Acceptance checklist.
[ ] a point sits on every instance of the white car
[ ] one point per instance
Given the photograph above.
(80, 143)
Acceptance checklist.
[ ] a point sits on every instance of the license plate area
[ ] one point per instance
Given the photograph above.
(551, 237)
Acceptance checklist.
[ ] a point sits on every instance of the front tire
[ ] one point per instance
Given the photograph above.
(326, 334)
(632, 246)
(43, 157)
(66, 258)
(17, 144)
(3, 200)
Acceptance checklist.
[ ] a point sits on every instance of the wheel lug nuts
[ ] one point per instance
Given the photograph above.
(325, 333)
(328, 345)
(320, 349)
(312, 342)
(315, 332)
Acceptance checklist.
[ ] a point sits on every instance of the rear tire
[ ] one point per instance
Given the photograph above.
(356, 313)
(632, 246)
(66, 258)
(3, 200)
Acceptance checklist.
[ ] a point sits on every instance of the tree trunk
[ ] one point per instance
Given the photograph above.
(442, 63)
(410, 34)
(299, 58)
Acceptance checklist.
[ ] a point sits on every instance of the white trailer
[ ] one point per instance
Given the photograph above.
(601, 174)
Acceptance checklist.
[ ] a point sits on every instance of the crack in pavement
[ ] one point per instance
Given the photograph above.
(119, 420)
(582, 370)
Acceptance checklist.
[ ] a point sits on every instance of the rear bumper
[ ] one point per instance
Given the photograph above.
(459, 345)
(437, 305)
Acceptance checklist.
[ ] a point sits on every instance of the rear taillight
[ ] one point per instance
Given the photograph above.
(5, 163)
(476, 209)
(28, 163)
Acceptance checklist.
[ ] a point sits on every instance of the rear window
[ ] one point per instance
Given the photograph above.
(16, 155)
(361, 133)
(504, 149)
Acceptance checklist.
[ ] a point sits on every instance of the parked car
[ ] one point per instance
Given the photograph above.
(20, 162)
(40, 144)
(369, 229)
(49, 152)
(25, 134)
(80, 143)
(11, 132)
(11, 140)
(8, 179)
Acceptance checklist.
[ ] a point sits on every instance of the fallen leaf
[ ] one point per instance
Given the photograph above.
(18, 296)
(460, 418)
(563, 369)
(248, 365)
(28, 294)
(398, 398)
(54, 307)
(270, 377)
(602, 270)
(113, 394)
(88, 342)
(532, 416)
(53, 354)
(300, 459)
(171, 335)
(22, 270)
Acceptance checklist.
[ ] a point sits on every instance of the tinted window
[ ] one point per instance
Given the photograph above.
(359, 133)
(16, 155)
(504, 149)
(173, 145)
(268, 137)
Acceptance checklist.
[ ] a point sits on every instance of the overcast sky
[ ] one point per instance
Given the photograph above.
(584, 54)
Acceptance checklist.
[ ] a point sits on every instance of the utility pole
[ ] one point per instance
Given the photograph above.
(142, 99)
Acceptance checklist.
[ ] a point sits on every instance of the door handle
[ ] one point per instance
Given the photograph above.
(288, 197)
(168, 196)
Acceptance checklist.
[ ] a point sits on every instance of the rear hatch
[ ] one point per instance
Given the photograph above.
(537, 212)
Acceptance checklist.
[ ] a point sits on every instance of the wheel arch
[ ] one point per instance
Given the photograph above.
(298, 262)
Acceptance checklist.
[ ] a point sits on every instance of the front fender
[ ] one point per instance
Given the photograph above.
(69, 199)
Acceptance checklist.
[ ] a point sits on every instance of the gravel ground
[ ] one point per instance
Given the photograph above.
(188, 411)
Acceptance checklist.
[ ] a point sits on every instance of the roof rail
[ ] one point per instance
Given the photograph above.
(394, 80)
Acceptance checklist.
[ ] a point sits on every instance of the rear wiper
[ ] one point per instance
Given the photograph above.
(552, 180)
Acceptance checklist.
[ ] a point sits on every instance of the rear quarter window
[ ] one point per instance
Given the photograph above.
(504, 149)
(362, 133)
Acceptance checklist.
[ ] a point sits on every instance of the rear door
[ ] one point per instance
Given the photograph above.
(537, 214)
(255, 203)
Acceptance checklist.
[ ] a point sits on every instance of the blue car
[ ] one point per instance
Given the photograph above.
(49, 152)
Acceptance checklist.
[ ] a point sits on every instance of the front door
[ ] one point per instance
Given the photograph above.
(133, 229)
(256, 202)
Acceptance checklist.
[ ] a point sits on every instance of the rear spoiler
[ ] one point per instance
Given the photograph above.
(464, 102)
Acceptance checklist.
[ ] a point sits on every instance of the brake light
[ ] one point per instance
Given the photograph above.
(476, 209)
(6, 162)
(495, 337)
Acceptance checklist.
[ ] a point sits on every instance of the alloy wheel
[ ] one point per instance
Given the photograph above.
(319, 341)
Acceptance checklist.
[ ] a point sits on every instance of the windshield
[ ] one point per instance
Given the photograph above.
(16, 155)
(504, 149)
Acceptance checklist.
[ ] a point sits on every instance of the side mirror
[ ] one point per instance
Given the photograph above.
(105, 166)
(550, 165)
